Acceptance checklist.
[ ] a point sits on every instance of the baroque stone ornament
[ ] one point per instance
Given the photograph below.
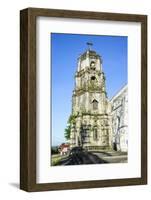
(90, 104)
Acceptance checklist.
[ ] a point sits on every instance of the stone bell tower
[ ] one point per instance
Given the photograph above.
(90, 121)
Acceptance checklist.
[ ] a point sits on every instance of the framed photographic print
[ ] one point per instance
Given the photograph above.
(83, 99)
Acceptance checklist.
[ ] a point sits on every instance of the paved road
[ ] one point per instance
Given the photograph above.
(85, 157)
(113, 157)
(81, 158)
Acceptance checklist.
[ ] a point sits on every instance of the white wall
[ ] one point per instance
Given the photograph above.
(9, 98)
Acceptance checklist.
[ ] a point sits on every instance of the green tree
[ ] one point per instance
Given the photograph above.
(54, 149)
(67, 132)
(71, 119)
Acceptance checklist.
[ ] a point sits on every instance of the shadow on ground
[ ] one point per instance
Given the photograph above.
(82, 158)
(16, 185)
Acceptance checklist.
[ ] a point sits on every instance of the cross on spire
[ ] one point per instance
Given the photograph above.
(90, 44)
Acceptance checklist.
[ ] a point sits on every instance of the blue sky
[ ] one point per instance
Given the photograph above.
(65, 49)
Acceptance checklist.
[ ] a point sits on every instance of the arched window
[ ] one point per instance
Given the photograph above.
(95, 104)
(84, 134)
(92, 65)
(93, 78)
(95, 135)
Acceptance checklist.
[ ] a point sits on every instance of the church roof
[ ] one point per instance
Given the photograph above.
(90, 53)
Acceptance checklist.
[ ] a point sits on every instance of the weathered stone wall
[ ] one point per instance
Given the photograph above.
(119, 113)
(98, 123)
(91, 126)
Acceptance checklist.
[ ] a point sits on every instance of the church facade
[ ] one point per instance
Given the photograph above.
(95, 123)
(119, 116)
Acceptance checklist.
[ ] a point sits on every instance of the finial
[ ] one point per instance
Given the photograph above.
(90, 44)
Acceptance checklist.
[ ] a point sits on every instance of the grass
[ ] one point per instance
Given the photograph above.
(55, 159)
